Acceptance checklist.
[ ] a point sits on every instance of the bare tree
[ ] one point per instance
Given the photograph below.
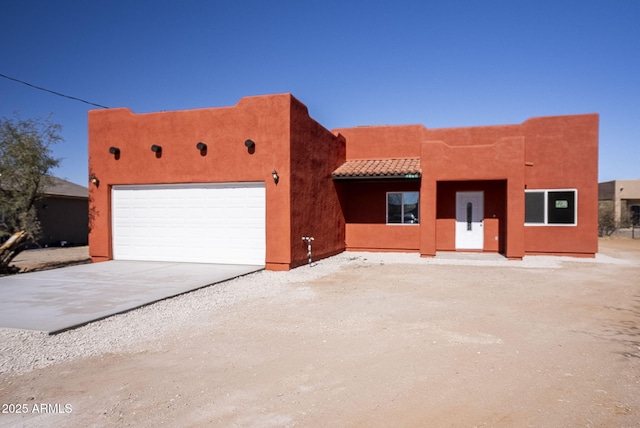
(25, 160)
(606, 219)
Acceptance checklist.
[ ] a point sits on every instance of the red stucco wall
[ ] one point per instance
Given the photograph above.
(541, 153)
(314, 201)
(381, 142)
(501, 161)
(267, 120)
(562, 152)
(364, 204)
(448, 157)
(382, 237)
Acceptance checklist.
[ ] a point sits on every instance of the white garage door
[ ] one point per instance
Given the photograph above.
(198, 223)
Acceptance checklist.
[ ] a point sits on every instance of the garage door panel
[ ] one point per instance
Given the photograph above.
(206, 223)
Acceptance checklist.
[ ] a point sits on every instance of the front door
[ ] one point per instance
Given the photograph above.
(469, 220)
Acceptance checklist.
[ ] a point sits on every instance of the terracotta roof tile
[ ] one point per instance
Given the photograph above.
(379, 168)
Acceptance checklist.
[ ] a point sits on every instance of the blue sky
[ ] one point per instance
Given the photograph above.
(437, 63)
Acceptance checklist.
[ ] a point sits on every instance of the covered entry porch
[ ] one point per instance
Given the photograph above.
(380, 200)
(473, 189)
(471, 216)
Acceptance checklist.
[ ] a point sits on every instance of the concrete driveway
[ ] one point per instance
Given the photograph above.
(57, 300)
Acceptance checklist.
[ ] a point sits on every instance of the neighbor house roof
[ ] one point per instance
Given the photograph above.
(59, 187)
(379, 168)
(54, 186)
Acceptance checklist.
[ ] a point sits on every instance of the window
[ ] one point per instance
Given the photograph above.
(634, 214)
(550, 207)
(402, 207)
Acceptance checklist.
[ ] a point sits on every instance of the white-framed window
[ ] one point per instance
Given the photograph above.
(402, 207)
(551, 207)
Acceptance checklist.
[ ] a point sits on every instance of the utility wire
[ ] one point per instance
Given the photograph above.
(52, 92)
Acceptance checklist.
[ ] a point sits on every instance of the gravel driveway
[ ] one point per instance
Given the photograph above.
(361, 339)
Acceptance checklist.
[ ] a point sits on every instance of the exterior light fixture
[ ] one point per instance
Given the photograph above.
(250, 144)
(201, 146)
(156, 148)
(114, 150)
(94, 180)
(275, 176)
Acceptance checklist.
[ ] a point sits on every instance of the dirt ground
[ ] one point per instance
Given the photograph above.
(379, 345)
(51, 258)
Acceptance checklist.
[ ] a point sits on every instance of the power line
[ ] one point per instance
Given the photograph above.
(52, 92)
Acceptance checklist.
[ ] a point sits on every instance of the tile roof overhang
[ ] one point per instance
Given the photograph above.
(378, 168)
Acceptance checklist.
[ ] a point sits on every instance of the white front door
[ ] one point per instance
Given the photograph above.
(469, 220)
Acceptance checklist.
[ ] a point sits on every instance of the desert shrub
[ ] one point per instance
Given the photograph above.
(606, 221)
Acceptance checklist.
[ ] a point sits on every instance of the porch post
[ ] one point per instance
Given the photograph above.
(515, 216)
(427, 207)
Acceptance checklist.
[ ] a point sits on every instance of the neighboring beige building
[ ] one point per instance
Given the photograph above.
(624, 195)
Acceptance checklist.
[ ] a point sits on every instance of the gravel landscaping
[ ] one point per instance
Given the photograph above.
(22, 351)
(456, 340)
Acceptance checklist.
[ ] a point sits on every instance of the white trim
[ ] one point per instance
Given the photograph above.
(546, 201)
(189, 185)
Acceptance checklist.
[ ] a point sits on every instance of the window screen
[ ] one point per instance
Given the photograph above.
(394, 207)
(534, 207)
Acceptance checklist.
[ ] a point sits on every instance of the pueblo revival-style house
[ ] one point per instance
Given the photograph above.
(244, 184)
